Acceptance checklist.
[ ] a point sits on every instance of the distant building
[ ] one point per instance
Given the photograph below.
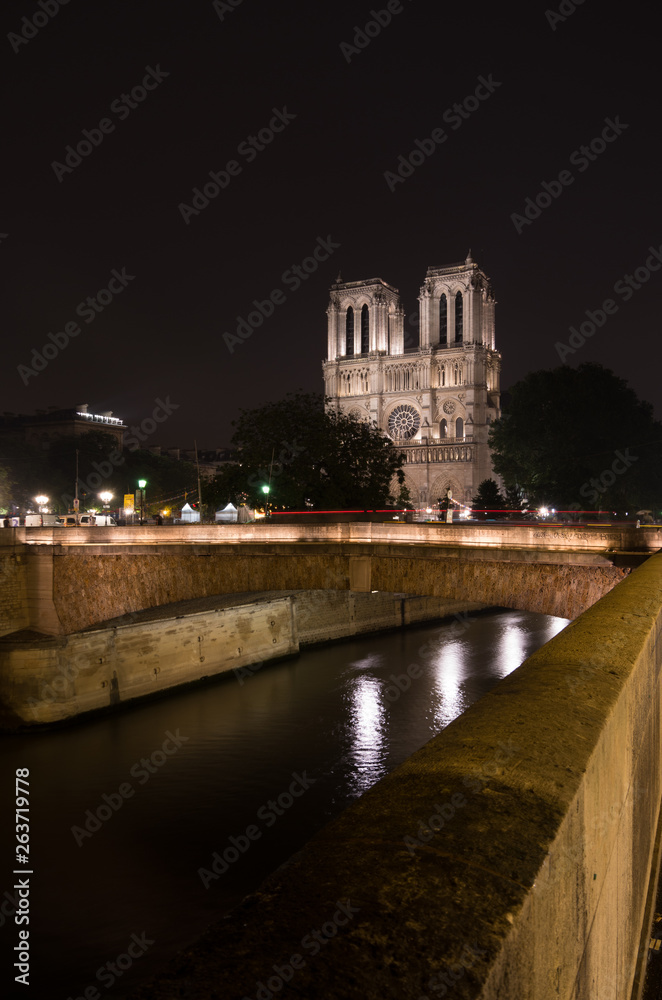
(437, 400)
(44, 426)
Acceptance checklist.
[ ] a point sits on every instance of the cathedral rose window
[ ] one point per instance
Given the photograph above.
(404, 421)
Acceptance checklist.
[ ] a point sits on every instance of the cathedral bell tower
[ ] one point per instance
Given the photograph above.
(435, 400)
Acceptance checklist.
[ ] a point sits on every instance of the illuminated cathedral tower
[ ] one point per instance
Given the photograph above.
(435, 400)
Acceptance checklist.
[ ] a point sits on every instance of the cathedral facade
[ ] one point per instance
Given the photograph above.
(436, 400)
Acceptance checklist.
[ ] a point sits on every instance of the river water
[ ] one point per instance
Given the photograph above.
(128, 810)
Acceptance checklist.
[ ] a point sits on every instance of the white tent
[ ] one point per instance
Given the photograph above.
(228, 515)
(189, 515)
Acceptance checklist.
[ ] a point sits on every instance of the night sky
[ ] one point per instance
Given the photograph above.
(344, 108)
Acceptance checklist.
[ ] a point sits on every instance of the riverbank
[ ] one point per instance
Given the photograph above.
(51, 679)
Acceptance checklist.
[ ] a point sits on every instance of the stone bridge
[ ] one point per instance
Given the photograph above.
(511, 857)
(57, 581)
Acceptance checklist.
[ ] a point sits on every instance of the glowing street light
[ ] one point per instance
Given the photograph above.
(266, 490)
(142, 483)
(41, 502)
(105, 498)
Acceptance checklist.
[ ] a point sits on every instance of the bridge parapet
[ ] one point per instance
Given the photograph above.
(509, 857)
(550, 537)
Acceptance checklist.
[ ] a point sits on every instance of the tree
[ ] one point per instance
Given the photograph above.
(309, 458)
(24, 467)
(579, 439)
(5, 491)
(101, 467)
(516, 502)
(488, 499)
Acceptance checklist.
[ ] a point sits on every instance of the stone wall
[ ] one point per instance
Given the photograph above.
(508, 858)
(516, 580)
(571, 538)
(14, 613)
(91, 585)
(50, 679)
(326, 615)
(47, 679)
(84, 577)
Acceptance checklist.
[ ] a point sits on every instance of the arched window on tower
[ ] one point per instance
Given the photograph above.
(365, 330)
(442, 375)
(443, 428)
(443, 320)
(458, 318)
(459, 428)
(349, 331)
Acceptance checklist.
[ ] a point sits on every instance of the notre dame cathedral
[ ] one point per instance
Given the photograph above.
(435, 400)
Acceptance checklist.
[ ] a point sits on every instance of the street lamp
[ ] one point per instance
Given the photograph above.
(142, 483)
(266, 489)
(105, 498)
(41, 502)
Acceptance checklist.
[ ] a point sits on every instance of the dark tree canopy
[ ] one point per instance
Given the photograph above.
(579, 439)
(310, 458)
(488, 499)
(102, 467)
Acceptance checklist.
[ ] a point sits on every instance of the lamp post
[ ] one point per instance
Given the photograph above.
(105, 499)
(266, 490)
(142, 483)
(41, 502)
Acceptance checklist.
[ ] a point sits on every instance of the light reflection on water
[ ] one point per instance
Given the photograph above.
(367, 725)
(336, 713)
(442, 675)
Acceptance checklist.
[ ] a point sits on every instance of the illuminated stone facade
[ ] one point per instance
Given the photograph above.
(435, 400)
(40, 429)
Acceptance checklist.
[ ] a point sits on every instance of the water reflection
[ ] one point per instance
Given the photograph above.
(449, 671)
(344, 715)
(367, 726)
(513, 645)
